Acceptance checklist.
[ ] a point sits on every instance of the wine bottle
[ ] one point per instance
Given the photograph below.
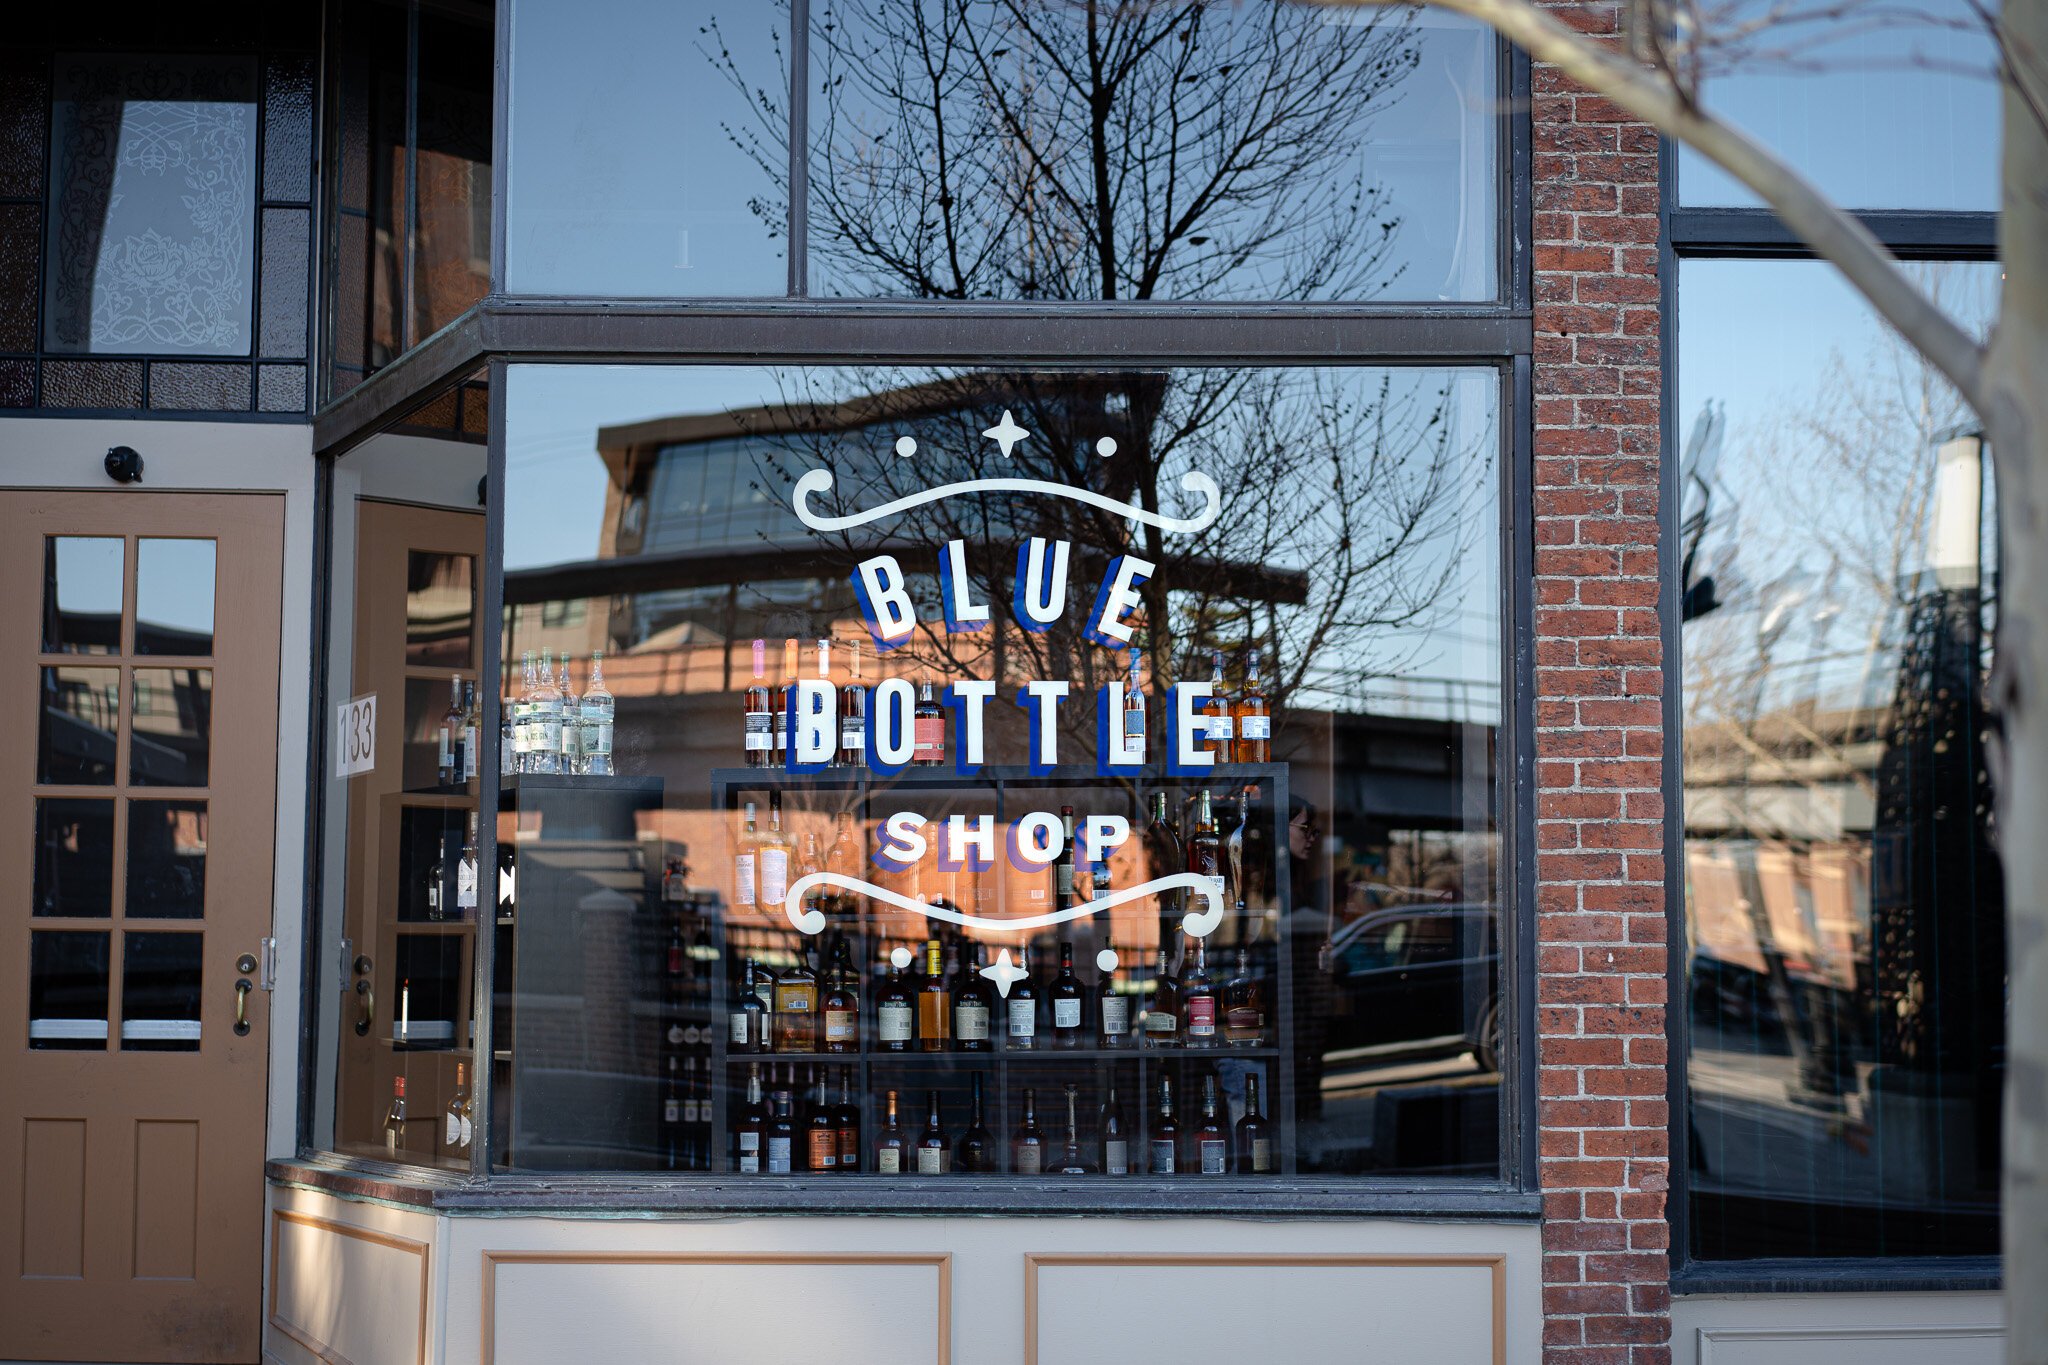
(853, 716)
(672, 1097)
(928, 729)
(932, 1155)
(1112, 1008)
(1066, 1002)
(1027, 1144)
(1165, 1139)
(472, 720)
(934, 1005)
(974, 1001)
(895, 1014)
(1021, 1010)
(746, 861)
(974, 1151)
(782, 1136)
(449, 767)
(1071, 1161)
(891, 1146)
(758, 738)
(846, 1115)
(1162, 1012)
(839, 1006)
(1063, 867)
(782, 696)
(1211, 1139)
(748, 1019)
(1163, 857)
(821, 1128)
(748, 1127)
(394, 1119)
(1115, 1138)
(456, 1125)
(1254, 1139)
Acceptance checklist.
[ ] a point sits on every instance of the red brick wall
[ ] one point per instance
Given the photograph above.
(1599, 737)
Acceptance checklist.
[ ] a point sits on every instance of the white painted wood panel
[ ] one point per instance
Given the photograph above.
(342, 1292)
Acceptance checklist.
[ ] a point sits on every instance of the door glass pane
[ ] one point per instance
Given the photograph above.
(74, 856)
(82, 594)
(160, 975)
(166, 859)
(81, 714)
(153, 205)
(174, 596)
(67, 989)
(440, 597)
(171, 727)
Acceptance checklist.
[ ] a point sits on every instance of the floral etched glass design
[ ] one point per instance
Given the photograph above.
(152, 222)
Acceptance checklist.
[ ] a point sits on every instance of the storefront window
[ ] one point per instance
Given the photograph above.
(1084, 771)
(1844, 914)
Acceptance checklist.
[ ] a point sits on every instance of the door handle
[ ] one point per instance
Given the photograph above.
(366, 994)
(242, 989)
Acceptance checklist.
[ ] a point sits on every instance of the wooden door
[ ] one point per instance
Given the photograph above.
(138, 808)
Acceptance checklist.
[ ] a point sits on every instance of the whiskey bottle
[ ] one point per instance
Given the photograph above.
(1216, 712)
(749, 1126)
(1134, 716)
(456, 1127)
(1200, 1012)
(449, 767)
(1112, 1008)
(1027, 1144)
(1066, 1002)
(1254, 740)
(796, 1007)
(775, 859)
(1244, 1004)
(839, 1006)
(895, 1014)
(1115, 1138)
(748, 1019)
(597, 717)
(394, 1119)
(1162, 1012)
(1165, 1139)
(1211, 1139)
(781, 1136)
(974, 1151)
(1205, 842)
(758, 738)
(782, 697)
(853, 715)
(821, 1129)
(846, 1116)
(1020, 1011)
(891, 1146)
(974, 1001)
(932, 1156)
(1071, 1161)
(466, 876)
(746, 862)
(1254, 1139)
(928, 729)
(934, 1005)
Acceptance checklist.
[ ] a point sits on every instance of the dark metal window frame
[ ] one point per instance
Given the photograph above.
(506, 330)
(1691, 233)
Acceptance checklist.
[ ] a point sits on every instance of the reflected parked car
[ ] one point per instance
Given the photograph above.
(1417, 981)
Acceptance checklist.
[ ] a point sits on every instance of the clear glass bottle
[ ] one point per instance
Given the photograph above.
(448, 768)
(571, 759)
(522, 714)
(472, 720)
(1071, 1161)
(394, 1119)
(596, 718)
(466, 878)
(544, 748)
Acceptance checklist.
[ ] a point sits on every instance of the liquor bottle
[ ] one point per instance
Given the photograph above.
(522, 716)
(746, 862)
(672, 1097)
(782, 1136)
(748, 1127)
(932, 1155)
(1115, 1138)
(472, 718)
(764, 991)
(466, 876)
(1162, 1013)
(758, 738)
(1112, 1008)
(891, 1146)
(796, 1007)
(775, 858)
(544, 749)
(439, 896)
(846, 1116)
(1244, 1004)
(1254, 723)
(675, 881)
(448, 771)
(839, 1006)
(1020, 1012)
(748, 1018)
(1066, 1002)
(394, 1119)
(1071, 1162)
(572, 719)
(1235, 845)
(821, 1130)
(928, 729)
(456, 1126)
(1063, 867)
(1210, 1141)
(825, 677)
(810, 860)
(1165, 1138)
(597, 718)
(1200, 1008)
(1254, 1139)
(1216, 725)
(934, 1007)
(974, 1151)
(691, 1112)
(1205, 842)
(974, 1003)
(1134, 716)
(895, 1014)
(1163, 857)
(783, 694)
(1027, 1144)
(508, 739)
(844, 859)
(853, 714)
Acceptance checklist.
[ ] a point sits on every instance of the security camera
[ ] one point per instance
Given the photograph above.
(124, 465)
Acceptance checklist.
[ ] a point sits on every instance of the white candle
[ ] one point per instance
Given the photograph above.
(405, 1009)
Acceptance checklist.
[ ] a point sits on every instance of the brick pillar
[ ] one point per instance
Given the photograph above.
(1601, 954)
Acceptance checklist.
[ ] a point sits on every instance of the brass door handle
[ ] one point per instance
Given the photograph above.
(369, 1000)
(242, 989)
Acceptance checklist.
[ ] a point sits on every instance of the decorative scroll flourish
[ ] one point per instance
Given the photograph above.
(1195, 923)
(819, 481)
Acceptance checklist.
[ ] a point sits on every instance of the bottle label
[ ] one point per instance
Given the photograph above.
(738, 1033)
(794, 1000)
(1065, 878)
(1243, 1023)
(1218, 727)
(970, 1021)
(750, 1163)
(1116, 1157)
(774, 876)
(743, 879)
(465, 885)
(893, 1020)
(931, 1161)
(889, 1161)
(468, 1131)
(1201, 1016)
(928, 736)
(468, 752)
(759, 737)
(1162, 1156)
(1255, 727)
(672, 1111)
(1134, 734)
(1023, 1018)
(750, 1142)
(824, 1149)
(453, 1133)
(1030, 1159)
(1066, 1013)
(839, 1026)
(1116, 1016)
(849, 1149)
(447, 758)
(1160, 1023)
(1215, 1156)
(597, 736)
(853, 733)
(1262, 1155)
(690, 1111)
(778, 1154)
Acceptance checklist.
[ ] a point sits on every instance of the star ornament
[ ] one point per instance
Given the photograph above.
(1004, 973)
(1006, 433)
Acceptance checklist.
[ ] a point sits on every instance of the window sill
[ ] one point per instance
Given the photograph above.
(703, 1197)
(1841, 1275)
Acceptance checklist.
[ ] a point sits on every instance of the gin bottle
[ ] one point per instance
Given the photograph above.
(544, 744)
(572, 721)
(596, 721)
(522, 718)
